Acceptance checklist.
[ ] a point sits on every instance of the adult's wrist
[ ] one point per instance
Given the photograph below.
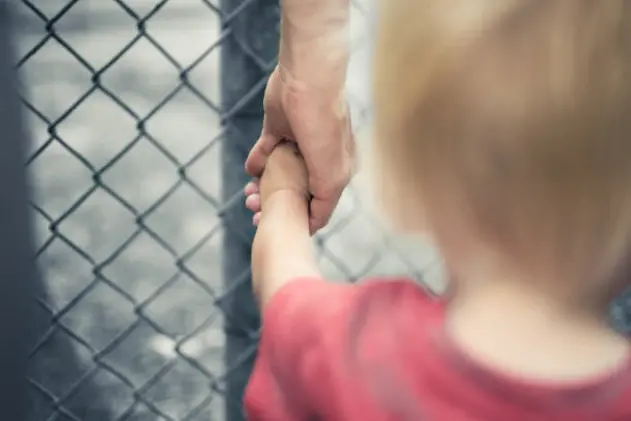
(306, 13)
(302, 81)
(315, 41)
(316, 63)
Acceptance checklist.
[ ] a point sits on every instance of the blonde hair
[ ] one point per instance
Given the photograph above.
(514, 116)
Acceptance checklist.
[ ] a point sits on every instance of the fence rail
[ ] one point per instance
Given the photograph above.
(141, 114)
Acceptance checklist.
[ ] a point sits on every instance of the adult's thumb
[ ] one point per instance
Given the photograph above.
(258, 155)
(321, 211)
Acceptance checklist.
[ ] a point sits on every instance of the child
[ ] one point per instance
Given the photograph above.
(503, 130)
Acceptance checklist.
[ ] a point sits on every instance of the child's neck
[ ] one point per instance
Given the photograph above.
(522, 333)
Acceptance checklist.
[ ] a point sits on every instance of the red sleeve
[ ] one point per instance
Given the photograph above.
(292, 346)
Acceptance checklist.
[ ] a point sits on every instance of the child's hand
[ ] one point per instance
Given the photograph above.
(285, 171)
(282, 249)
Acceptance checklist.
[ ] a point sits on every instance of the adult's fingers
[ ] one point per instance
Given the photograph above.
(257, 158)
(321, 211)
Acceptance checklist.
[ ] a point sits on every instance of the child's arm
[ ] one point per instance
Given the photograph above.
(292, 365)
(283, 249)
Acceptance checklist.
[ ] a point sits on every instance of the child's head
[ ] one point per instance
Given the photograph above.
(507, 124)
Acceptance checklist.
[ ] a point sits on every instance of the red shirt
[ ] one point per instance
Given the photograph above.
(378, 352)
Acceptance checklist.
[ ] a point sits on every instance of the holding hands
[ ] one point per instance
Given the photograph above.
(319, 124)
(305, 103)
(285, 174)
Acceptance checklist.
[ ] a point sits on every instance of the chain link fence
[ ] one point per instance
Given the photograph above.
(141, 114)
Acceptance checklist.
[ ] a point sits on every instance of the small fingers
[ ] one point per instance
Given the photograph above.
(253, 202)
(253, 187)
(257, 158)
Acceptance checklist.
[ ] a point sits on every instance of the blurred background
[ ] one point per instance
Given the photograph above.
(141, 113)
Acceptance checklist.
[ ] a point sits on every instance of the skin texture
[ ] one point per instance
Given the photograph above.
(283, 194)
(499, 309)
(305, 103)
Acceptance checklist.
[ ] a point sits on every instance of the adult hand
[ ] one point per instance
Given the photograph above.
(318, 121)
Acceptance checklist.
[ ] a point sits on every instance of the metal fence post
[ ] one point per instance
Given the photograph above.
(248, 54)
(17, 260)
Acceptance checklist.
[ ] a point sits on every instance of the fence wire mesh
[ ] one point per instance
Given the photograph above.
(141, 114)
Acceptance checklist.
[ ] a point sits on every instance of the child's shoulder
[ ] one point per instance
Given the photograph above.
(397, 288)
(320, 337)
(389, 315)
(312, 301)
(402, 293)
(395, 296)
(315, 298)
(322, 311)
